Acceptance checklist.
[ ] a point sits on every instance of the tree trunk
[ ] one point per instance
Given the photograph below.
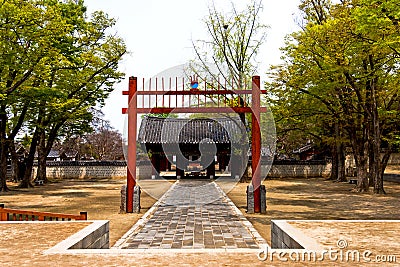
(335, 165)
(3, 165)
(3, 150)
(371, 156)
(5, 142)
(15, 164)
(42, 156)
(341, 164)
(359, 143)
(375, 139)
(361, 159)
(378, 185)
(45, 148)
(26, 181)
(338, 157)
(362, 174)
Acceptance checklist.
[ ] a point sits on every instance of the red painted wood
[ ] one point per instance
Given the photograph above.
(132, 129)
(133, 110)
(195, 110)
(24, 215)
(256, 143)
(197, 92)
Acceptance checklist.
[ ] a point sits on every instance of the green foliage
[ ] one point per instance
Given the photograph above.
(57, 63)
(342, 71)
(161, 115)
(342, 48)
(235, 39)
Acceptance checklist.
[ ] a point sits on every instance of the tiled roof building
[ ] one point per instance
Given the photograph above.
(185, 140)
(154, 130)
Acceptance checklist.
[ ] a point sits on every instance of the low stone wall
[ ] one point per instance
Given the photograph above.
(92, 169)
(144, 171)
(77, 172)
(117, 169)
(281, 239)
(299, 170)
(96, 238)
(394, 159)
(84, 169)
(286, 236)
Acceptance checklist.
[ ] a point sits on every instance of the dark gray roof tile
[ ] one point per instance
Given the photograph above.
(155, 130)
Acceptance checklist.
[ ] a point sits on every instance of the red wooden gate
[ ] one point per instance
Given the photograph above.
(169, 103)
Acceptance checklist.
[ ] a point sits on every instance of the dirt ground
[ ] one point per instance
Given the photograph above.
(318, 199)
(99, 198)
(312, 198)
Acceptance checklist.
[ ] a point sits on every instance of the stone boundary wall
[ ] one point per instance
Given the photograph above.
(92, 169)
(394, 159)
(144, 171)
(87, 170)
(83, 172)
(298, 170)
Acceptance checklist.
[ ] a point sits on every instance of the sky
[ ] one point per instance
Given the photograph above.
(159, 35)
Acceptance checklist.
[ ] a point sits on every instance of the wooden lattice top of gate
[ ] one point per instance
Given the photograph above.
(163, 97)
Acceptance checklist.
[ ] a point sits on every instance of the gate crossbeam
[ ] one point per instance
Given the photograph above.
(195, 110)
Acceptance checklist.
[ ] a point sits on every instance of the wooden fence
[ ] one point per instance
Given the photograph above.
(25, 215)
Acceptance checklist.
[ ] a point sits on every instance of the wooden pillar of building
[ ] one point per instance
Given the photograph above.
(179, 172)
(156, 165)
(222, 162)
(211, 170)
(168, 164)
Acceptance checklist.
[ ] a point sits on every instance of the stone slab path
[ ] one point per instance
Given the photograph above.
(192, 214)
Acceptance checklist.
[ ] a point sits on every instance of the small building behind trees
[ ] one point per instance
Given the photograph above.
(193, 145)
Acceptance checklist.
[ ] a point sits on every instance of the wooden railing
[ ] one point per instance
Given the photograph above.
(25, 215)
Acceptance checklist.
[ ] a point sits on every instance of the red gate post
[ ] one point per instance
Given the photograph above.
(132, 129)
(256, 142)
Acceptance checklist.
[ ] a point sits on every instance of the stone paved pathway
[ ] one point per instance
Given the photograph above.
(184, 219)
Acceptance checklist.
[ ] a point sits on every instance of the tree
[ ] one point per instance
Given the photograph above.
(102, 143)
(56, 65)
(83, 80)
(349, 66)
(377, 33)
(28, 30)
(105, 144)
(235, 39)
(302, 106)
(161, 115)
